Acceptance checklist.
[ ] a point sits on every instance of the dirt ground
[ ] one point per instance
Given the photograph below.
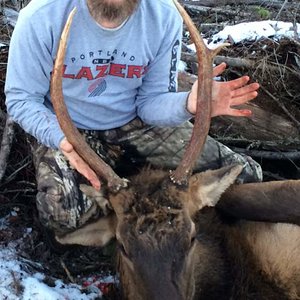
(17, 189)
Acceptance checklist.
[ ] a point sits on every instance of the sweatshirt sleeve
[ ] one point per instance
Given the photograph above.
(157, 101)
(28, 79)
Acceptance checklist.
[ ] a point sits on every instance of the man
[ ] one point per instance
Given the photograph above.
(119, 75)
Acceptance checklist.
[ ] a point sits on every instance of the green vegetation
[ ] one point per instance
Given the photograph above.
(262, 13)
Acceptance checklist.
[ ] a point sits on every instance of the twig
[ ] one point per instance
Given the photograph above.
(27, 190)
(211, 3)
(6, 144)
(272, 175)
(281, 145)
(23, 165)
(282, 106)
(16, 283)
(33, 265)
(241, 63)
(2, 115)
(268, 154)
(67, 271)
(200, 9)
(281, 9)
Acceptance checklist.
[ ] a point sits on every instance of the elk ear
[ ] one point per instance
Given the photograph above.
(206, 188)
(98, 233)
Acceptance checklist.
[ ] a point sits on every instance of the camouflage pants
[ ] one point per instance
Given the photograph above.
(63, 207)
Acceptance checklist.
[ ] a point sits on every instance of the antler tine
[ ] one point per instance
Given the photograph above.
(204, 97)
(103, 170)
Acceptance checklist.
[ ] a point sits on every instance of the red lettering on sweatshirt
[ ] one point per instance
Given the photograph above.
(71, 76)
(100, 71)
(103, 70)
(135, 71)
(85, 72)
(117, 70)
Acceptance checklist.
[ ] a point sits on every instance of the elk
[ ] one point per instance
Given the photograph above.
(182, 236)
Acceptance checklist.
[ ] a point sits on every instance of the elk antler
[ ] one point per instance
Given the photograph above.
(204, 98)
(103, 170)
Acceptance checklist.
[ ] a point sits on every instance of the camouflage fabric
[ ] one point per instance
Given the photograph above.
(64, 207)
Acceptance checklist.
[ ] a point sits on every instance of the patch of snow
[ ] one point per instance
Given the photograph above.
(18, 284)
(34, 288)
(250, 31)
(256, 30)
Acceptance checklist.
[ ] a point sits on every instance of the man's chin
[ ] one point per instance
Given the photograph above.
(114, 9)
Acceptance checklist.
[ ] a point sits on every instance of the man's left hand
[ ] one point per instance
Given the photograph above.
(226, 95)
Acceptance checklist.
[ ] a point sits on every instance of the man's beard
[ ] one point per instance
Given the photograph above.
(112, 10)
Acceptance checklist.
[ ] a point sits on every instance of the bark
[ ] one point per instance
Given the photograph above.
(236, 62)
(6, 144)
(199, 9)
(215, 3)
(262, 125)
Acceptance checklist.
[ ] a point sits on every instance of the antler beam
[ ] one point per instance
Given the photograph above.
(103, 170)
(204, 97)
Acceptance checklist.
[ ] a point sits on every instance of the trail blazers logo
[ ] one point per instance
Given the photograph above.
(98, 72)
(97, 87)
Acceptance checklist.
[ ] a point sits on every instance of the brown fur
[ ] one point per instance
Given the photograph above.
(263, 201)
(172, 245)
(277, 249)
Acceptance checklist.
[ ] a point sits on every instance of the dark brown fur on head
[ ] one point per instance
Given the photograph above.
(156, 225)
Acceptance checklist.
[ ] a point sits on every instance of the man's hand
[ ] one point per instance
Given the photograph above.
(79, 164)
(225, 95)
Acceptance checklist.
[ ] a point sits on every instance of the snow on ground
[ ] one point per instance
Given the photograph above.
(19, 282)
(19, 279)
(255, 30)
(251, 31)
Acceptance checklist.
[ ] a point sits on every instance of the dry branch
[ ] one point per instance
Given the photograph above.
(236, 62)
(213, 3)
(283, 107)
(292, 155)
(6, 144)
(285, 145)
(197, 9)
(262, 125)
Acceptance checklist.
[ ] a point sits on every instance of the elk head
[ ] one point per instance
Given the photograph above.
(153, 220)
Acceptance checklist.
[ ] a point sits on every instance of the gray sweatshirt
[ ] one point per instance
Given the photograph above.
(110, 76)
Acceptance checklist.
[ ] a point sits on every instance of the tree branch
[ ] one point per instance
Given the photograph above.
(6, 144)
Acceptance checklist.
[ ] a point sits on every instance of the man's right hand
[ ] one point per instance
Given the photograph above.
(79, 164)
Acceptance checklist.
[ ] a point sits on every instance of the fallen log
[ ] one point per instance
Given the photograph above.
(286, 145)
(274, 155)
(205, 10)
(237, 62)
(214, 3)
(262, 125)
(6, 144)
